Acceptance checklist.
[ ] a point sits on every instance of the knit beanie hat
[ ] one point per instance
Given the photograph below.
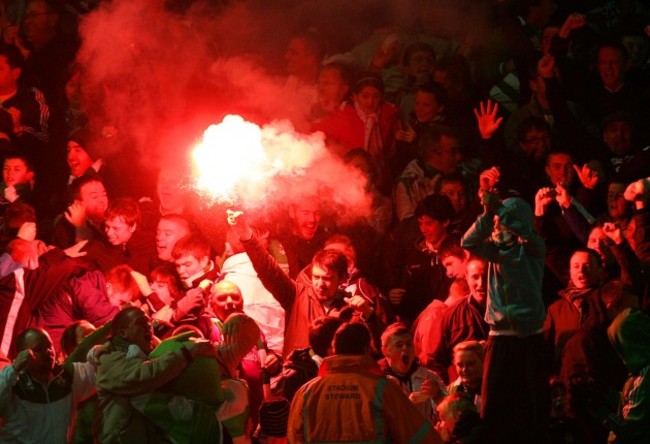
(84, 138)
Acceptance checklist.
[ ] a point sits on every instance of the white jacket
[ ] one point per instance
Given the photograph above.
(259, 304)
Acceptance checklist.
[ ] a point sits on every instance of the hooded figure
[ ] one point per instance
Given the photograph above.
(515, 254)
(515, 352)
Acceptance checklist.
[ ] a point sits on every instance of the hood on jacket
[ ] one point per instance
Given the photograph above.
(360, 364)
(629, 333)
(515, 214)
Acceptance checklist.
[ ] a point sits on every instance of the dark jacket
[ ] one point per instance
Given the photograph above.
(298, 369)
(514, 274)
(137, 253)
(424, 278)
(64, 234)
(300, 251)
(564, 318)
(463, 321)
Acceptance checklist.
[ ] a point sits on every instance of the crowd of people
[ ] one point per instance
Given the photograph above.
(496, 288)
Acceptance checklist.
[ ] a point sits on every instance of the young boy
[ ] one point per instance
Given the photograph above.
(423, 387)
(17, 180)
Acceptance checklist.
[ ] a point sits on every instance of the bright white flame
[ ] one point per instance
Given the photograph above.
(237, 161)
(231, 158)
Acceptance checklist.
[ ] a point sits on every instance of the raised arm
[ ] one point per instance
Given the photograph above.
(476, 239)
(276, 281)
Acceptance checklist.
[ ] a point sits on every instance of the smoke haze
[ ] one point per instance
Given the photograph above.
(162, 75)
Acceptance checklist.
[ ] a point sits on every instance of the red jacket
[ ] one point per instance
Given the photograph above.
(22, 291)
(299, 300)
(345, 128)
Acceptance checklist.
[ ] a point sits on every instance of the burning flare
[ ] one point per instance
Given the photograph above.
(231, 159)
(237, 162)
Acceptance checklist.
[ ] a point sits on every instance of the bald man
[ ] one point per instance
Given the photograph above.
(225, 300)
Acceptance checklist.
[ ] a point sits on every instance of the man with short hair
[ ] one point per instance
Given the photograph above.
(17, 180)
(121, 221)
(26, 106)
(84, 218)
(191, 254)
(463, 321)
(305, 236)
(440, 154)
(171, 228)
(191, 258)
(559, 168)
(613, 91)
(454, 186)
(566, 314)
(468, 359)
(352, 386)
(125, 243)
(426, 328)
(304, 303)
(551, 219)
(225, 299)
(625, 159)
(417, 275)
(588, 282)
(525, 169)
(356, 283)
(332, 86)
(39, 396)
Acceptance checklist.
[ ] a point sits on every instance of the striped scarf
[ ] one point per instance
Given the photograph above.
(372, 141)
